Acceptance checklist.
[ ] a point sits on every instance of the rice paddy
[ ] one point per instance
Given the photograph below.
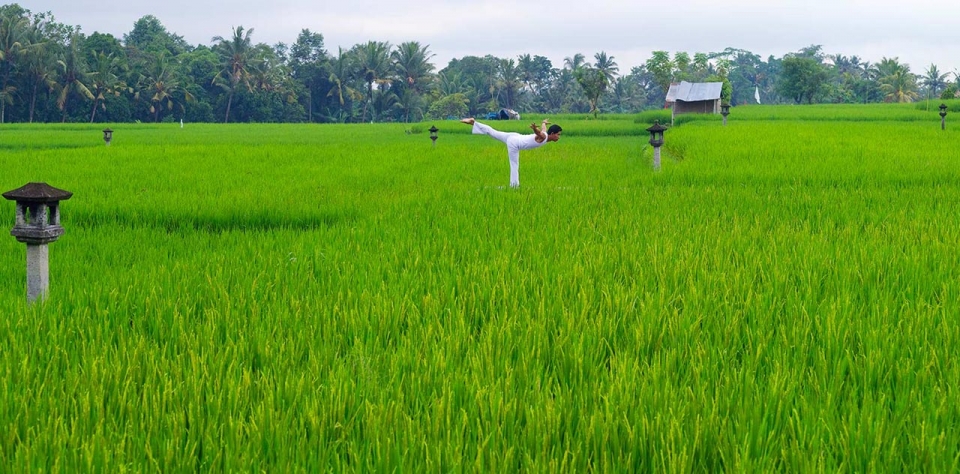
(782, 295)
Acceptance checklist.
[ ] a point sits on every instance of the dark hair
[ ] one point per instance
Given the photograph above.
(554, 129)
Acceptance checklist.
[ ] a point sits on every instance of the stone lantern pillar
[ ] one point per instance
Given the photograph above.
(433, 134)
(943, 116)
(656, 141)
(38, 223)
(724, 110)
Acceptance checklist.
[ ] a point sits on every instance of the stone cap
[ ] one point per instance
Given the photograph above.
(657, 127)
(37, 193)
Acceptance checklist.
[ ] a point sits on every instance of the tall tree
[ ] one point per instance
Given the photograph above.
(451, 82)
(681, 65)
(308, 62)
(104, 80)
(13, 43)
(899, 84)
(803, 78)
(340, 90)
(934, 80)
(73, 76)
(414, 72)
(594, 84)
(150, 36)
(700, 67)
(198, 68)
(574, 62)
(662, 68)
(374, 60)
(535, 71)
(412, 65)
(508, 82)
(237, 63)
(161, 86)
(39, 67)
(607, 66)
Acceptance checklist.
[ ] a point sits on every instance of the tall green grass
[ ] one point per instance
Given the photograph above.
(781, 296)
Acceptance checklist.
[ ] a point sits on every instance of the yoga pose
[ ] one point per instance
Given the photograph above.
(516, 142)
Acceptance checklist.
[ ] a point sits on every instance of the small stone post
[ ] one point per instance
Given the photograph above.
(725, 110)
(107, 136)
(433, 134)
(656, 140)
(943, 116)
(38, 223)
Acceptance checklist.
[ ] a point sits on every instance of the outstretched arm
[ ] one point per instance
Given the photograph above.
(541, 136)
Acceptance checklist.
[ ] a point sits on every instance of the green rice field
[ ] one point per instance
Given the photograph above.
(784, 295)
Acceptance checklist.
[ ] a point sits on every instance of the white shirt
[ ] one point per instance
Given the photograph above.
(528, 142)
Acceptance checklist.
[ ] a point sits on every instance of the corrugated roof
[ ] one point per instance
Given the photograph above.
(672, 93)
(694, 91)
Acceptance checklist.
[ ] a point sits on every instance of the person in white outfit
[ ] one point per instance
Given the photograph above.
(516, 142)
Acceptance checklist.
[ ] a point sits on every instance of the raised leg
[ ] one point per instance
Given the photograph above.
(484, 129)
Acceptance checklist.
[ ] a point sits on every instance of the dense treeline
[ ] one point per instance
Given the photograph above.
(51, 72)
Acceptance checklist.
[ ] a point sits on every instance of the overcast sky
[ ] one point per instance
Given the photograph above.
(918, 32)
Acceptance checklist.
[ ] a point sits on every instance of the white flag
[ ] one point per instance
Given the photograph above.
(756, 94)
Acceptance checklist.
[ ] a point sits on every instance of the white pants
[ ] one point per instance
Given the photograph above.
(513, 148)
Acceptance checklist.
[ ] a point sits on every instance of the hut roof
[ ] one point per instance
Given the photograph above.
(694, 91)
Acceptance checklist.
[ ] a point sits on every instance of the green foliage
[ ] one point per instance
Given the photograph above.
(453, 105)
(380, 82)
(950, 92)
(150, 36)
(804, 79)
(593, 82)
(662, 69)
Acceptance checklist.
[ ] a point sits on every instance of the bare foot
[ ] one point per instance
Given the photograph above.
(468, 121)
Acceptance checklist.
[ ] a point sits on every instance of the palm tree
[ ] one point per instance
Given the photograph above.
(886, 67)
(162, 86)
(38, 66)
(594, 84)
(385, 102)
(934, 81)
(899, 84)
(267, 71)
(842, 64)
(236, 58)
(575, 62)
(340, 89)
(508, 81)
(607, 66)
(410, 104)
(13, 32)
(104, 80)
(412, 65)
(527, 66)
(374, 61)
(39, 69)
(73, 76)
(625, 94)
(451, 82)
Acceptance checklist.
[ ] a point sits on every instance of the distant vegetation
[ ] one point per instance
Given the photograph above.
(51, 72)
